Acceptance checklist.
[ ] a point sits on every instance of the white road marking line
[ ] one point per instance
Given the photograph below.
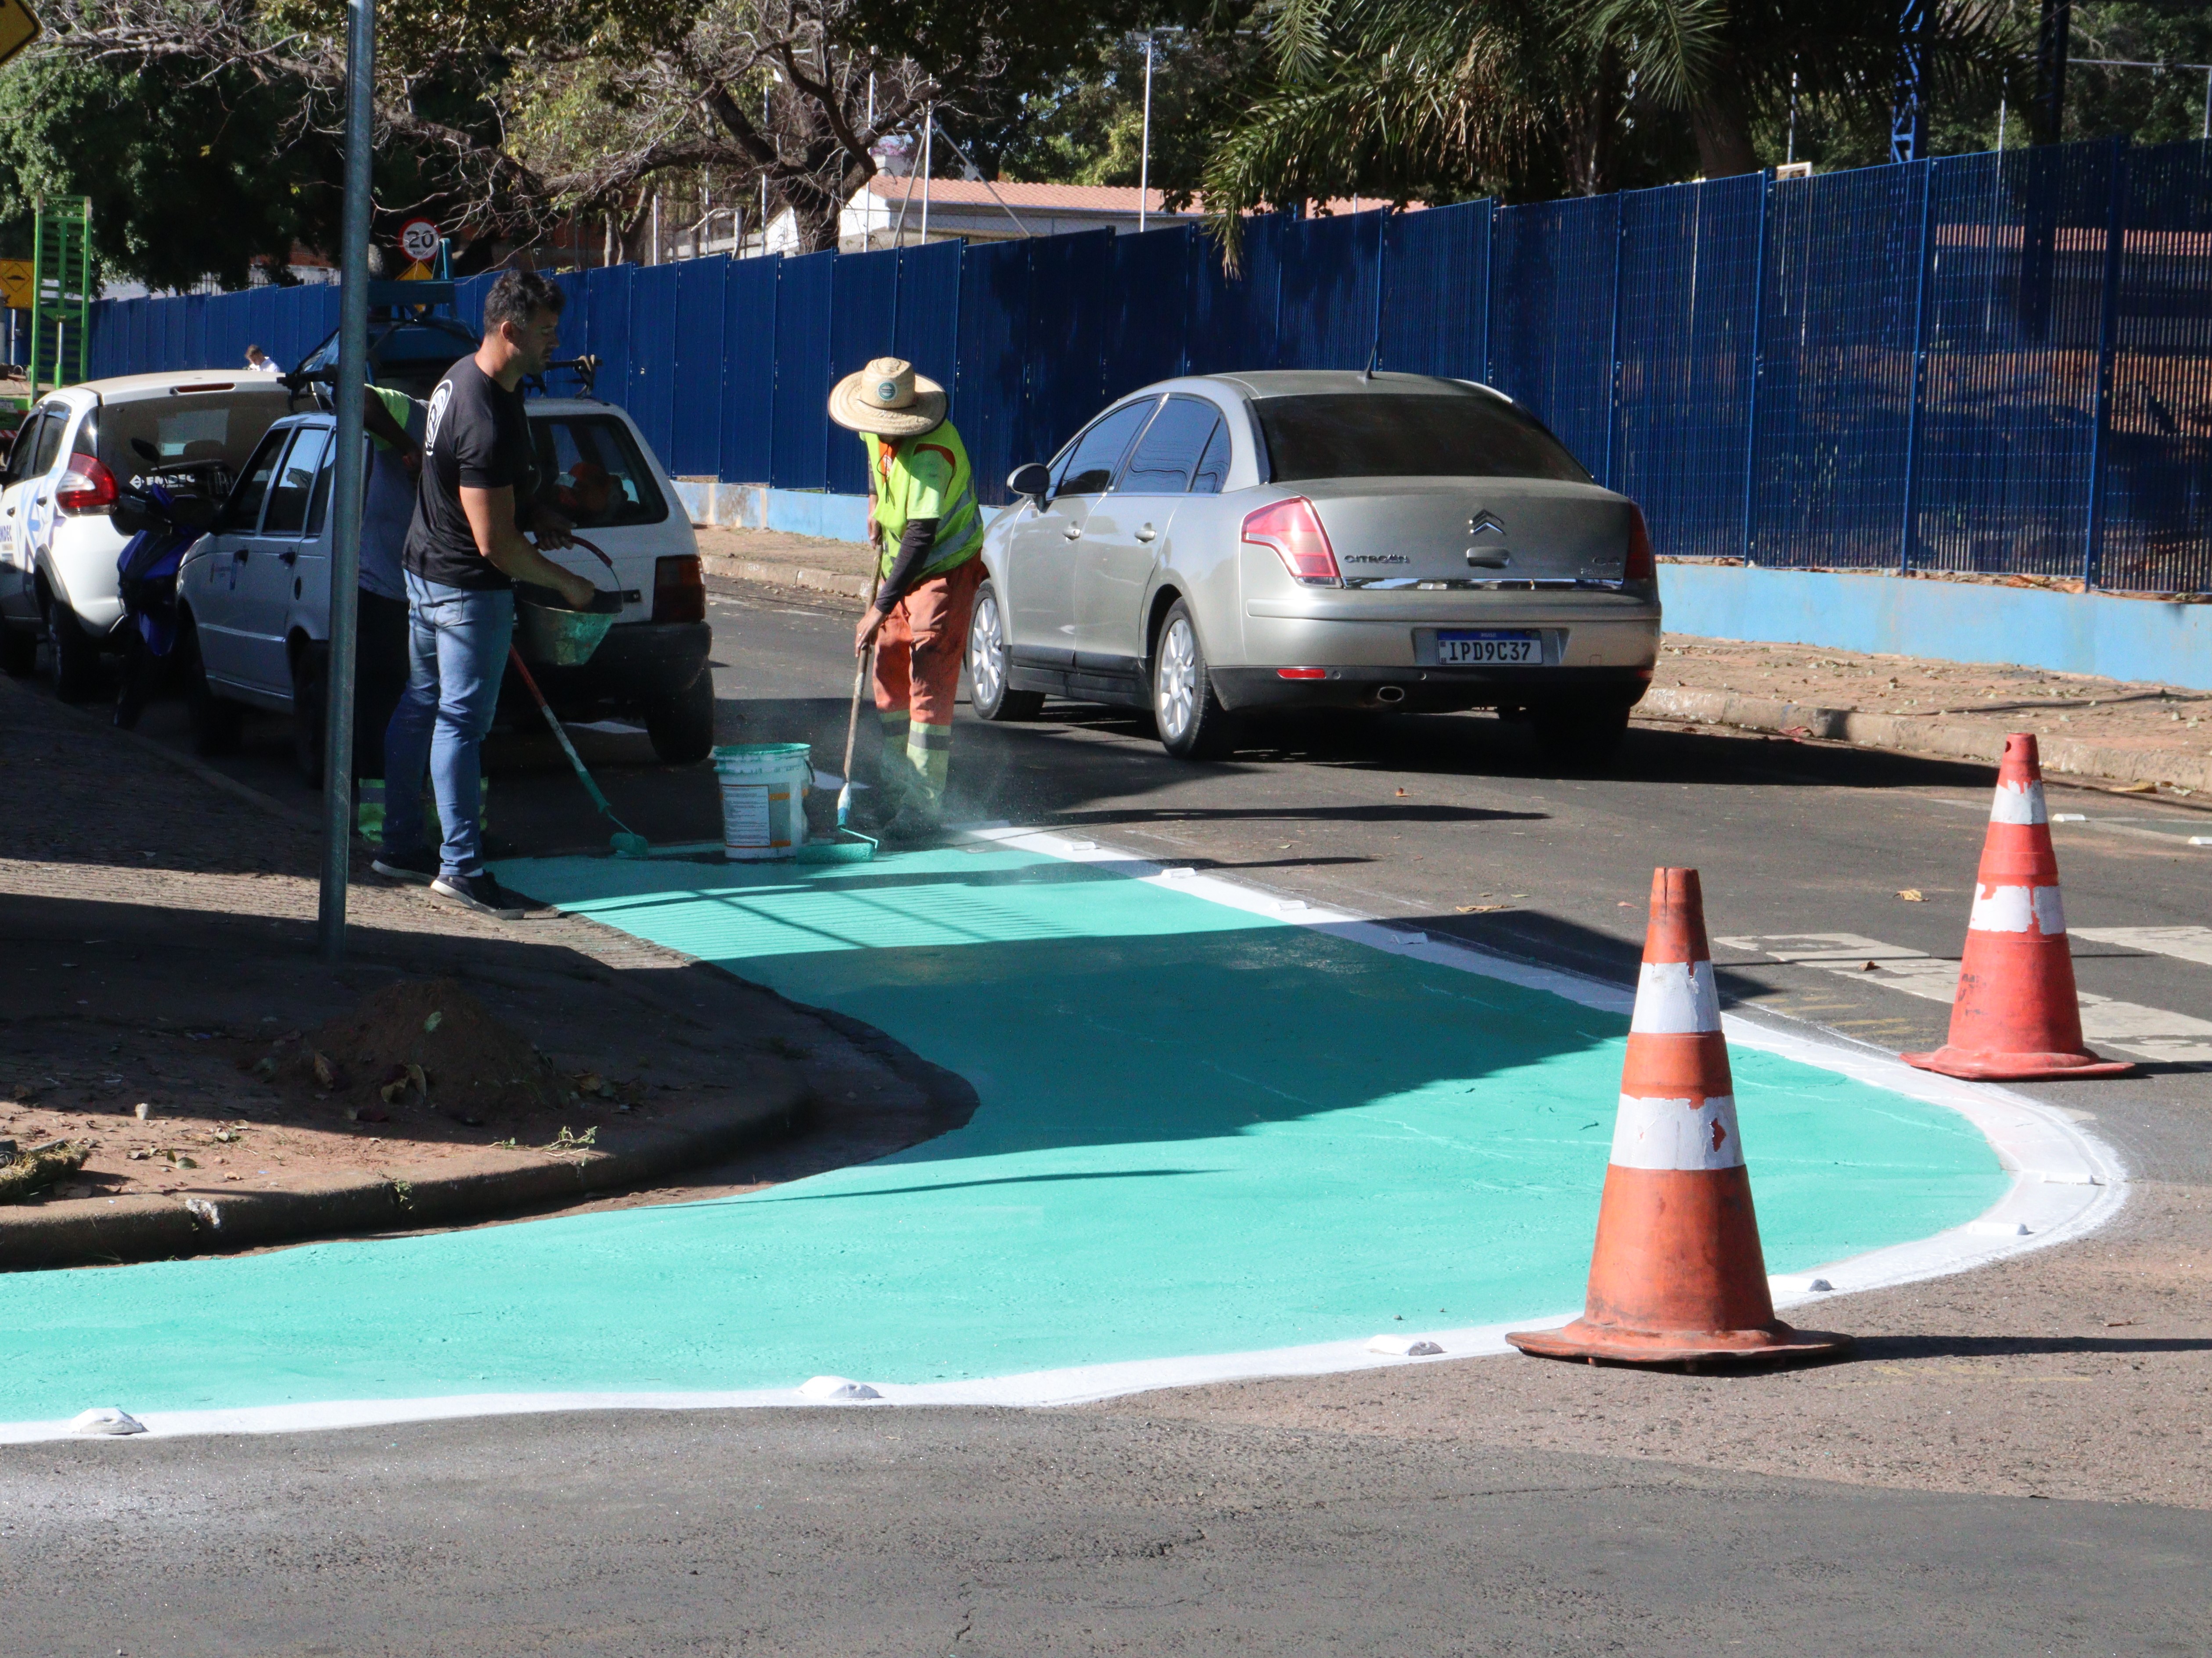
(2110, 825)
(2148, 1033)
(1915, 971)
(2185, 944)
(2066, 1183)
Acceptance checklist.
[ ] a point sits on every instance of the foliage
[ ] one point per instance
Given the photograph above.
(187, 174)
(1430, 99)
(1088, 129)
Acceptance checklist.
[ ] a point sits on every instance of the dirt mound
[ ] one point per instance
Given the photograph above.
(427, 1042)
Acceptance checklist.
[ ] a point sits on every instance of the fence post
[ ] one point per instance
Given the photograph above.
(1909, 531)
(1489, 282)
(2108, 317)
(1613, 394)
(1758, 364)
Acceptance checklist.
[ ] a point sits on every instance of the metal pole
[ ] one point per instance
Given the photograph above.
(1145, 156)
(345, 514)
(928, 130)
(1909, 532)
(1612, 350)
(1750, 394)
(2116, 225)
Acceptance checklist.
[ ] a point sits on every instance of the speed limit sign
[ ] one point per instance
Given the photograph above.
(418, 240)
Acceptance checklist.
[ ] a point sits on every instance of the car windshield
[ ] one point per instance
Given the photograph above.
(1355, 434)
(593, 474)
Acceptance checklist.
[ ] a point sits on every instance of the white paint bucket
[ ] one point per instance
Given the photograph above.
(763, 797)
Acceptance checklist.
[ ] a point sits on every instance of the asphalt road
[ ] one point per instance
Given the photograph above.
(959, 1532)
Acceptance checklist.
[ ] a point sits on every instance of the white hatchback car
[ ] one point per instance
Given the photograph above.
(254, 593)
(58, 541)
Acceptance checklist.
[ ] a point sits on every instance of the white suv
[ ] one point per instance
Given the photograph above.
(254, 592)
(59, 544)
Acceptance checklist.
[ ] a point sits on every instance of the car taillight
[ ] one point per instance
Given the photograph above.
(1293, 529)
(1641, 566)
(86, 487)
(679, 590)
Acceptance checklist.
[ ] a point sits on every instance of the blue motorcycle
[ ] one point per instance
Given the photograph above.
(162, 522)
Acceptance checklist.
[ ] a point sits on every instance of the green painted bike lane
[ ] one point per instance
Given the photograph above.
(1200, 1130)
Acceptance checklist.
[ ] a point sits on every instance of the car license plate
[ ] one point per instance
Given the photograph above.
(1468, 650)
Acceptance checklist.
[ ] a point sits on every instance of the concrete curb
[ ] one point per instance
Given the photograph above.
(1949, 740)
(785, 575)
(85, 1233)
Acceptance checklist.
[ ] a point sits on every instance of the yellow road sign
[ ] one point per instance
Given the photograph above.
(417, 272)
(19, 27)
(15, 284)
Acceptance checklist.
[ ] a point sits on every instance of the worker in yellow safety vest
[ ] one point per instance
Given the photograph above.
(928, 533)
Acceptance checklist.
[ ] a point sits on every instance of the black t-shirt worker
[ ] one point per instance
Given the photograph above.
(465, 550)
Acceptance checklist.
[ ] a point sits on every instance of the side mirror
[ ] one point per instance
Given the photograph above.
(1034, 481)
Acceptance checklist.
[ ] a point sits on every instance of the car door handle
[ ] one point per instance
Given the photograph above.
(1147, 533)
(1073, 532)
(288, 558)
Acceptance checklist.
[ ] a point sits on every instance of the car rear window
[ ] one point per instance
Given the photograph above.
(593, 473)
(188, 426)
(1354, 434)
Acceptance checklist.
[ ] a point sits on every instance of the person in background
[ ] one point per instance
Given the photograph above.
(466, 545)
(257, 361)
(395, 429)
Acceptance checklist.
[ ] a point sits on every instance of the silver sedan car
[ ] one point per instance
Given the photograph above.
(1229, 542)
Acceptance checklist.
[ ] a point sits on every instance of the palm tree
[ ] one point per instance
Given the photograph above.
(1432, 100)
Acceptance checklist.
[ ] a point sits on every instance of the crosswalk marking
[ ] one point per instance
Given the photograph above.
(2148, 1033)
(2187, 943)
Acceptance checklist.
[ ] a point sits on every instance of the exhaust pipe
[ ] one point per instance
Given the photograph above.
(1391, 694)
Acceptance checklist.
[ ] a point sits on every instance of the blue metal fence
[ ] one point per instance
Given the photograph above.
(1986, 363)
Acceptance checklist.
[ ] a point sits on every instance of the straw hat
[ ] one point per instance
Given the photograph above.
(888, 398)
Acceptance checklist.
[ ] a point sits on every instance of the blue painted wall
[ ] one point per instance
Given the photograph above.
(2139, 638)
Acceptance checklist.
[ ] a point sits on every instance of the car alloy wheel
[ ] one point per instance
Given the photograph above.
(987, 663)
(987, 648)
(1174, 688)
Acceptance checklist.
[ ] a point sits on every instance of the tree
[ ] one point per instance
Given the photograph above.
(186, 176)
(1432, 100)
(501, 117)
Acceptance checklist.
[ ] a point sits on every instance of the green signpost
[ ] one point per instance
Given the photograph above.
(61, 291)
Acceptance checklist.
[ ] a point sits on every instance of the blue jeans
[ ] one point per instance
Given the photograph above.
(456, 652)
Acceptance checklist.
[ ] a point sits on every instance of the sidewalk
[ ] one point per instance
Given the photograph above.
(160, 954)
(2141, 737)
(2137, 736)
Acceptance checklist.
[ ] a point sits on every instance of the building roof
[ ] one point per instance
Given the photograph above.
(1066, 198)
(1063, 198)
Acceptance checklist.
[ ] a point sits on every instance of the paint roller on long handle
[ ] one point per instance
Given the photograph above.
(859, 684)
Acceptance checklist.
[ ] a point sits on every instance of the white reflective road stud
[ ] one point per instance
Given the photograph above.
(1676, 1134)
(1676, 999)
(2018, 909)
(2018, 803)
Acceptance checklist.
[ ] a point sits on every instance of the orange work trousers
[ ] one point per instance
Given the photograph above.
(918, 653)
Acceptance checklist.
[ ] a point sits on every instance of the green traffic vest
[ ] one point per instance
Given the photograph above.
(903, 492)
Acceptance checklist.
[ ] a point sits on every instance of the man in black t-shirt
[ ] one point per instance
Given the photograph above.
(465, 550)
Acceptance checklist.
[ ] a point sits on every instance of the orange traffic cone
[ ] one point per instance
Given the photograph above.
(2017, 1016)
(1677, 1273)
